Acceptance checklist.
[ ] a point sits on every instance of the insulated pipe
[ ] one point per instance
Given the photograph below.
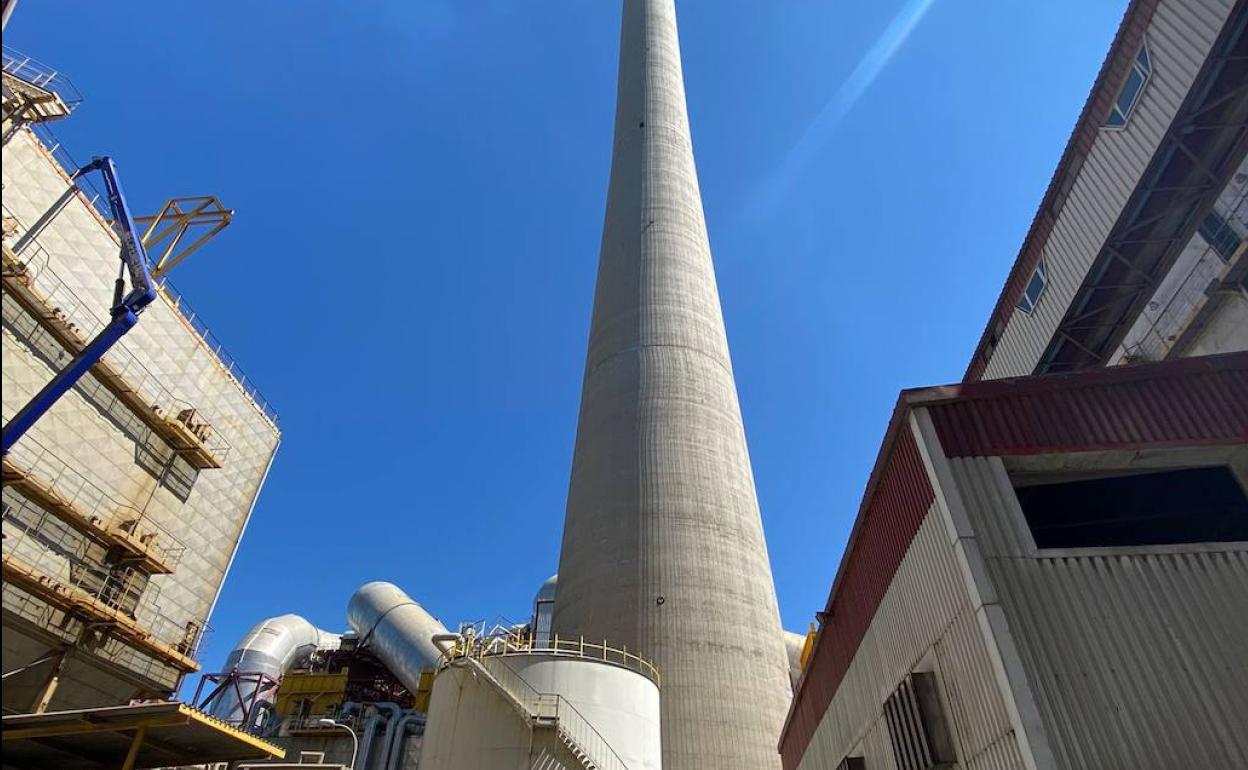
(394, 752)
(396, 628)
(544, 610)
(793, 644)
(272, 647)
(393, 713)
(370, 729)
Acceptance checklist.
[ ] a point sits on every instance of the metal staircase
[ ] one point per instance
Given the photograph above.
(548, 711)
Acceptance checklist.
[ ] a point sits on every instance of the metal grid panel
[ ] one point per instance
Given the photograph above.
(107, 444)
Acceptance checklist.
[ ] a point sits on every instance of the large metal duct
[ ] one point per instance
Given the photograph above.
(272, 647)
(544, 609)
(793, 644)
(396, 628)
(663, 549)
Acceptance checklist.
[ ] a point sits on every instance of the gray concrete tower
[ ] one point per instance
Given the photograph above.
(663, 547)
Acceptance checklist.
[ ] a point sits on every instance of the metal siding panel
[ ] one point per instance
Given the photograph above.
(926, 611)
(889, 523)
(1180, 35)
(1135, 659)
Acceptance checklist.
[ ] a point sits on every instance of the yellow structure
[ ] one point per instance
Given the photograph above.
(305, 693)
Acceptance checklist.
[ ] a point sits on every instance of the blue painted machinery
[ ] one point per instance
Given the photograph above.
(126, 305)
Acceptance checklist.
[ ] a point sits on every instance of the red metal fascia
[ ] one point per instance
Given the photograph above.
(1191, 402)
(896, 501)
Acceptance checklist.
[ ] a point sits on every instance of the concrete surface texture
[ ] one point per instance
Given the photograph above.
(663, 548)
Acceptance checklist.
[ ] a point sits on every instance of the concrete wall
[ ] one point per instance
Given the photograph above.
(663, 549)
(1227, 329)
(1199, 276)
(1179, 38)
(1135, 656)
(205, 510)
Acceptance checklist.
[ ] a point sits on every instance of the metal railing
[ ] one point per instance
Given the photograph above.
(92, 197)
(572, 727)
(43, 544)
(502, 643)
(1168, 322)
(82, 319)
(31, 71)
(47, 470)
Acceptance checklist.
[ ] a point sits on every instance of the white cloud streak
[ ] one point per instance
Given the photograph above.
(820, 130)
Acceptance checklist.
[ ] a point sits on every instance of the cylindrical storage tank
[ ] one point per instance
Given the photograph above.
(611, 711)
(396, 628)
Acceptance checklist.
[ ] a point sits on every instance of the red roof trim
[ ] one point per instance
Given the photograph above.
(898, 501)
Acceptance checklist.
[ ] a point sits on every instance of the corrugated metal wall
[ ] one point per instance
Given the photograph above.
(1179, 36)
(925, 619)
(1136, 660)
(894, 510)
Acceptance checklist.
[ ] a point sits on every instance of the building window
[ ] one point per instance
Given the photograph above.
(916, 725)
(1194, 505)
(1129, 96)
(1035, 289)
(852, 763)
(1219, 234)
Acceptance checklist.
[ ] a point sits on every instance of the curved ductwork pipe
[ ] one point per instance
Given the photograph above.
(793, 644)
(272, 647)
(544, 609)
(397, 629)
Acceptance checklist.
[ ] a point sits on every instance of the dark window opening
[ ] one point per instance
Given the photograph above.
(1196, 505)
(852, 763)
(1035, 289)
(1129, 96)
(1219, 234)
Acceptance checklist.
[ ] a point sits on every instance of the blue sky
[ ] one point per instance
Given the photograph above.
(420, 190)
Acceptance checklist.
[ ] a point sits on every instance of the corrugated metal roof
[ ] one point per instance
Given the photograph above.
(1190, 402)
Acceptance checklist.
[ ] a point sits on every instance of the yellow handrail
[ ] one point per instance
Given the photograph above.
(504, 644)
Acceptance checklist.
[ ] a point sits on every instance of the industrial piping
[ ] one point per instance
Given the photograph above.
(272, 647)
(396, 628)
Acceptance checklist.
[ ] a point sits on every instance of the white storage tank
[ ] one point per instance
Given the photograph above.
(536, 708)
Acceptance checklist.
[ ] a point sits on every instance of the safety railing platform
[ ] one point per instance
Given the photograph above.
(508, 643)
(34, 92)
(75, 600)
(48, 299)
(57, 487)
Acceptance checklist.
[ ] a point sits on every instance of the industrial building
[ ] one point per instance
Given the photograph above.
(1047, 568)
(132, 456)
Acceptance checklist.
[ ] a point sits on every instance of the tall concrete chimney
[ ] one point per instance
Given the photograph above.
(663, 548)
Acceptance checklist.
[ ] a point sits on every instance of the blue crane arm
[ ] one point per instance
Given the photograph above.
(126, 305)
